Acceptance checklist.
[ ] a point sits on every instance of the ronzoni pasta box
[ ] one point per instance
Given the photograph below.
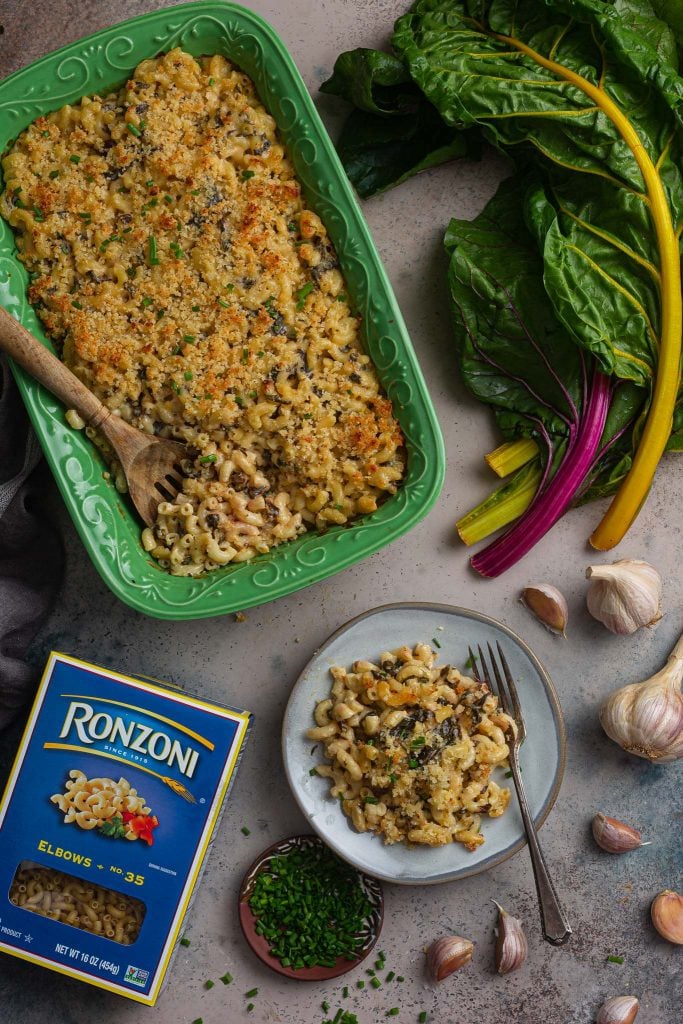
(105, 822)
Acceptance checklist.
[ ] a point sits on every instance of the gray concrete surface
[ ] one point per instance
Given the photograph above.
(255, 663)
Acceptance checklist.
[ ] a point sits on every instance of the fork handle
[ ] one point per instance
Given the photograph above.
(556, 929)
(37, 360)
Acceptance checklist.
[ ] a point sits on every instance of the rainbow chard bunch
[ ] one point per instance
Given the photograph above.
(566, 290)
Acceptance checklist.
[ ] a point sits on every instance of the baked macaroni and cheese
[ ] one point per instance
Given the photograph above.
(413, 745)
(182, 277)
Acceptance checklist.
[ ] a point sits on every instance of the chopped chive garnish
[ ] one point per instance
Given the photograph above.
(184, 941)
(195, 309)
(195, 191)
(291, 226)
(239, 400)
(149, 183)
(168, 199)
(209, 984)
(206, 460)
(508, 775)
(248, 174)
(198, 1020)
(252, 395)
(76, 305)
(375, 982)
(435, 642)
(393, 1012)
(87, 217)
(226, 978)
(245, 355)
(146, 301)
(190, 338)
(390, 976)
(160, 313)
(188, 375)
(229, 287)
(412, 763)
(225, 305)
(313, 771)
(392, 778)
(419, 741)
(251, 993)
(400, 977)
(325, 1005)
(371, 800)
(176, 387)
(423, 1017)
(615, 959)
(133, 129)
(302, 294)
(212, 81)
(250, 1007)
(153, 258)
(245, 831)
(360, 983)
(176, 250)
(345, 992)
(53, 174)
(75, 159)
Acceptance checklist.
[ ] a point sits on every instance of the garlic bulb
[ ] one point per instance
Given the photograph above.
(615, 836)
(511, 944)
(547, 603)
(618, 1010)
(447, 955)
(667, 916)
(625, 595)
(646, 718)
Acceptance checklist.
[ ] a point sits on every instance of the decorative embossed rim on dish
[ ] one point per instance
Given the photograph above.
(107, 526)
(558, 719)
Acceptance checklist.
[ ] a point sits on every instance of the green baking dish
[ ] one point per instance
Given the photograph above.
(105, 521)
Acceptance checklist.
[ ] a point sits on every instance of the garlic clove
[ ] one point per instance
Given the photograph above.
(667, 916)
(618, 1010)
(646, 718)
(625, 595)
(614, 836)
(447, 955)
(547, 603)
(511, 943)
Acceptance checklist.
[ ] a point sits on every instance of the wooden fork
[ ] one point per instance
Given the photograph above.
(555, 926)
(152, 465)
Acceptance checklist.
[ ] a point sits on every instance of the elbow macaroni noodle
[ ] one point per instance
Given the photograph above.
(61, 897)
(94, 803)
(413, 746)
(185, 281)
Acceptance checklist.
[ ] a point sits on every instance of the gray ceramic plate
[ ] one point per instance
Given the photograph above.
(542, 755)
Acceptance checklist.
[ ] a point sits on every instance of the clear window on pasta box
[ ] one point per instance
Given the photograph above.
(115, 793)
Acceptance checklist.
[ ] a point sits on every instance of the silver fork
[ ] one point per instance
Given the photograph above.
(556, 928)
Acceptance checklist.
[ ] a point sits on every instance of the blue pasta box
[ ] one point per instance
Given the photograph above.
(105, 823)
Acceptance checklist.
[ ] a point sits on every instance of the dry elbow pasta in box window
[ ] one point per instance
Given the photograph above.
(180, 273)
(413, 746)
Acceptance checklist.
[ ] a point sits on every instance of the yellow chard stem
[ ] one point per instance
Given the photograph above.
(507, 503)
(636, 484)
(510, 456)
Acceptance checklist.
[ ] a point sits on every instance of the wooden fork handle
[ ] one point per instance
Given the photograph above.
(37, 360)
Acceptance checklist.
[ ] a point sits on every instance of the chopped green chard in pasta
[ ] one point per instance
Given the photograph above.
(71, 900)
(114, 808)
(413, 746)
(181, 275)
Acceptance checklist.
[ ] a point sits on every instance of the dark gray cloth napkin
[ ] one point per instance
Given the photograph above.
(31, 555)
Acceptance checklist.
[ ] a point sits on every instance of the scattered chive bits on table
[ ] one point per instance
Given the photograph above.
(310, 907)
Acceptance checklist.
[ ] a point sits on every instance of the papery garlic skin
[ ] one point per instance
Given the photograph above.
(646, 718)
(511, 944)
(549, 606)
(625, 595)
(667, 916)
(447, 955)
(614, 836)
(618, 1010)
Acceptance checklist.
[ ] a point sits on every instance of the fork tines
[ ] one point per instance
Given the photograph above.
(504, 686)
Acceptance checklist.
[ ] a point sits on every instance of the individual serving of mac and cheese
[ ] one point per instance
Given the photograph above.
(183, 278)
(413, 746)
